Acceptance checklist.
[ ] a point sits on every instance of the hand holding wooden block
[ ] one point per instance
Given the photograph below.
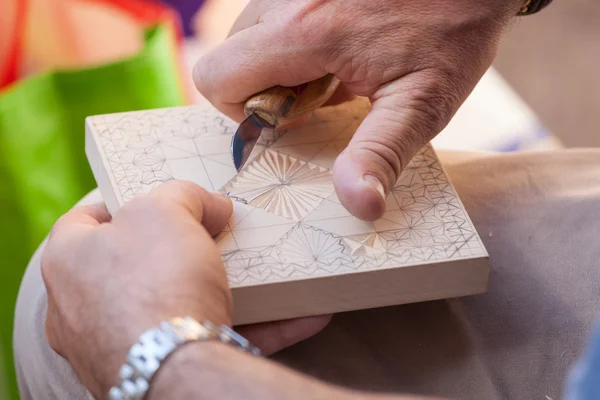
(290, 248)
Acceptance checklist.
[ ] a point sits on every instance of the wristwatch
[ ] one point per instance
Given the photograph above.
(533, 6)
(156, 344)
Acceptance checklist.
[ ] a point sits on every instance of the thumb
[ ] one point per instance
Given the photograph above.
(178, 198)
(403, 118)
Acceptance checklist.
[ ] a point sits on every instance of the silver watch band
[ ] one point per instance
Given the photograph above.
(146, 356)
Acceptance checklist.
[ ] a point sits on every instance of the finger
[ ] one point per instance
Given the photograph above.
(211, 209)
(271, 337)
(405, 115)
(341, 95)
(252, 60)
(90, 215)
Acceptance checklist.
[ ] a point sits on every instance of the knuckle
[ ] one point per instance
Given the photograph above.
(164, 199)
(428, 105)
(432, 106)
(198, 76)
(48, 256)
(141, 202)
(183, 193)
(408, 119)
(311, 30)
(47, 266)
(428, 112)
(63, 221)
(358, 61)
(56, 228)
(205, 80)
(184, 186)
(386, 153)
(394, 152)
(142, 206)
(405, 146)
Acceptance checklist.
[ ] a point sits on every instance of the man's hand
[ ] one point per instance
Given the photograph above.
(110, 280)
(416, 60)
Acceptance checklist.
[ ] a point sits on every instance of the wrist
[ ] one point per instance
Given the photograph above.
(186, 365)
(98, 358)
(155, 345)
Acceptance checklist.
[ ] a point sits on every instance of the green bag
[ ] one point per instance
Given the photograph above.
(43, 167)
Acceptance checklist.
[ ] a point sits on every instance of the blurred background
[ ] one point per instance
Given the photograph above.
(62, 60)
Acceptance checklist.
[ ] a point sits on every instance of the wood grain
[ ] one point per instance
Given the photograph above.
(279, 105)
(290, 248)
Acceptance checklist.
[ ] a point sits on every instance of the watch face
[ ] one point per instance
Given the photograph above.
(189, 329)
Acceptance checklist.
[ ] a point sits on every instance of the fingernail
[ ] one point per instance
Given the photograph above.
(374, 183)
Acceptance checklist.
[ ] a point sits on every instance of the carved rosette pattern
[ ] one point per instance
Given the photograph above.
(303, 230)
(282, 185)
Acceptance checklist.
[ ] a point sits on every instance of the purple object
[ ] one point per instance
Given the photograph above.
(186, 9)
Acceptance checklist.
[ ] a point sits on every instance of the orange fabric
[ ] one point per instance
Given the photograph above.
(9, 63)
(149, 12)
(47, 35)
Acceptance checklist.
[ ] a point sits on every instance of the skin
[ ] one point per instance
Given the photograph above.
(417, 61)
(154, 260)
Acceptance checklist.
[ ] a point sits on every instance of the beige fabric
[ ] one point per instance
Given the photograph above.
(539, 216)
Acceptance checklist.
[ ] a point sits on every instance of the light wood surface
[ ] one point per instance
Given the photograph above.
(290, 248)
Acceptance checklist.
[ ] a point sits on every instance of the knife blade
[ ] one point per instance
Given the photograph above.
(275, 107)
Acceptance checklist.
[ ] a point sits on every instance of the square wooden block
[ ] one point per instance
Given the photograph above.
(291, 249)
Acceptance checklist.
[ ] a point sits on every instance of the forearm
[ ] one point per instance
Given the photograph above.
(210, 370)
(207, 371)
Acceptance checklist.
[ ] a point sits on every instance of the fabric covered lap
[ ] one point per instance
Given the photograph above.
(535, 214)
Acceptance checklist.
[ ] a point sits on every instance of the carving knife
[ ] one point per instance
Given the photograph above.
(273, 108)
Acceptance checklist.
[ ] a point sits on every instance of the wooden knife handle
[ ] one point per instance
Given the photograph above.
(279, 104)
